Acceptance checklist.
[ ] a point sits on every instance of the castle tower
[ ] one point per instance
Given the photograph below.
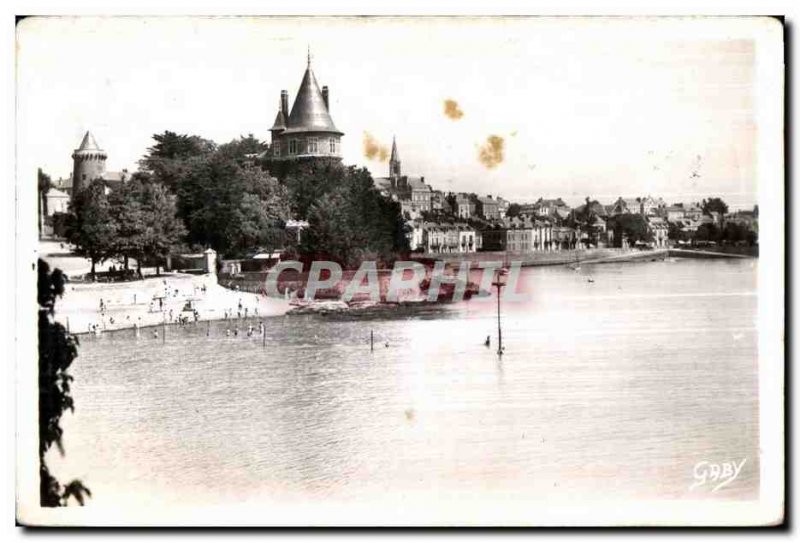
(308, 130)
(394, 161)
(88, 163)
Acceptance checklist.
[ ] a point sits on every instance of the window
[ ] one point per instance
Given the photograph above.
(292, 146)
(332, 143)
(312, 145)
(276, 148)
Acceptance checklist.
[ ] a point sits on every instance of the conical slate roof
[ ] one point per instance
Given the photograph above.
(309, 113)
(395, 155)
(88, 143)
(280, 121)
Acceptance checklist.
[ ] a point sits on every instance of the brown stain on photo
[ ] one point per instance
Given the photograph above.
(490, 153)
(374, 150)
(451, 109)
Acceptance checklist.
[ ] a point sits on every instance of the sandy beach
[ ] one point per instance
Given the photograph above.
(152, 301)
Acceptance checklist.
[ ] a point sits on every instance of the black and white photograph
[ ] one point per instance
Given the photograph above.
(321, 271)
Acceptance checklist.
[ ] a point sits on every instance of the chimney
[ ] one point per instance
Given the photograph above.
(285, 103)
(325, 97)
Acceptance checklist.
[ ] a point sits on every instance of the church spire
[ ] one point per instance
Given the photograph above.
(394, 160)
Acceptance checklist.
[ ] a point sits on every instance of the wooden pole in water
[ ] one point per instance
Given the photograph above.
(371, 341)
(499, 330)
(208, 328)
(263, 336)
(163, 332)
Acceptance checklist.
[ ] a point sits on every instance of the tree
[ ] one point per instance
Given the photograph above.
(44, 185)
(163, 230)
(733, 232)
(232, 208)
(126, 205)
(57, 350)
(243, 148)
(707, 232)
(308, 181)
(451, 199)
(714, 205)
(632, 227)
(513, 210)
(353, 221)
(675, 233)
(91, 226)
(168, 160)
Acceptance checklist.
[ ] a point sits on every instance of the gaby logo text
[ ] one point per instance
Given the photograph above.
(717, 475)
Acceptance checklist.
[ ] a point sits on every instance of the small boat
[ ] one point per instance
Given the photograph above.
(591, 279)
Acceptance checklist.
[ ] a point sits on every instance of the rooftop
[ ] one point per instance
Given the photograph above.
(309, 112)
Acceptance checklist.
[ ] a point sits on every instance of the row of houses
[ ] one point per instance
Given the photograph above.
(517, 234)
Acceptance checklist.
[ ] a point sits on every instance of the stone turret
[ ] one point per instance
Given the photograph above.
(88, 163)
(308, 130)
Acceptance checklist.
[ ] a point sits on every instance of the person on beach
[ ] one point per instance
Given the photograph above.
(155, 334)
(236, 332)
(228, 332)
(488, 341)
(250, 331)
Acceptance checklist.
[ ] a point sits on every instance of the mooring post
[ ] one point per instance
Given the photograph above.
(163, 332)
(208, 328)
(371, 341)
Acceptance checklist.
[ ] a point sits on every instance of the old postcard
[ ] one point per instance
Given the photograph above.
(376, 271)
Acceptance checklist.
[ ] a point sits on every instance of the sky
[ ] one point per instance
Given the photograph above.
(598, 107)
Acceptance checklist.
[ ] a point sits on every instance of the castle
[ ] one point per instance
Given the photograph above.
(308, 130)
(89, 164)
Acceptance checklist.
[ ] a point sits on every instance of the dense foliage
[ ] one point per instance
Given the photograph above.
(632, 227)
(712, 205)
(232, 208)
(92, 227)
(57, 350)
(146, 221)
(349, 220)
(192, 193)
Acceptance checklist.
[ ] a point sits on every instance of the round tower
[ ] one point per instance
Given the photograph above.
(88, 163)
(308, 130)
